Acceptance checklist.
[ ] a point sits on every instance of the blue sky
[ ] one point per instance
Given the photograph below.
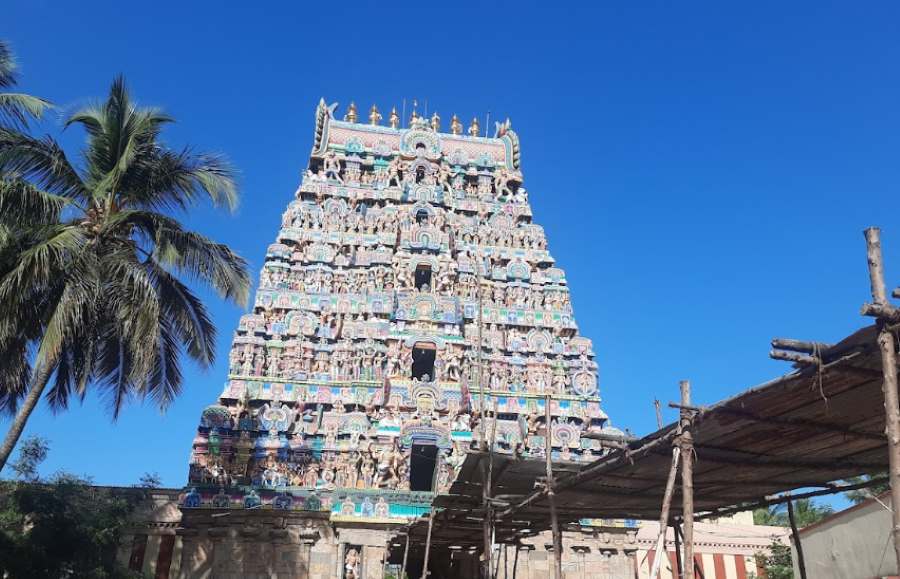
(703, 170)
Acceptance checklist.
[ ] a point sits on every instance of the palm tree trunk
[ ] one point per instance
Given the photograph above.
(28, 405)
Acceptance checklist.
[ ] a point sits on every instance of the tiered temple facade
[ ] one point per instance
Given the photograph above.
(408, 302)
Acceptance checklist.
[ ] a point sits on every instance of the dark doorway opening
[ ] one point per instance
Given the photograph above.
(423, 277)
(423, 362)
(422, 462)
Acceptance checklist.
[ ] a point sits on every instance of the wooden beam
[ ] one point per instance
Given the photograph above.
(664, 513)
(799, 346)
(881, 310)
(406, 553)
(761, 460)
(801, 422)
(609, 462)
(889, 368)
(781, 499)
(801, 562)
(802, 359)
(679, 566)
(686, 443)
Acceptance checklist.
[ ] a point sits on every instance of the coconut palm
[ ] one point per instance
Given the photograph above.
(91, 258)
(806, 512)
(15, 108)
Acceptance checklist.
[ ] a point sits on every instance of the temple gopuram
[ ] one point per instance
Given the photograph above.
(408, 312)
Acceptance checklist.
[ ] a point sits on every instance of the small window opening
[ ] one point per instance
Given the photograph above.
(423, 362)
(420, 174)
(422, 463)
(423, 278)
(421, 216)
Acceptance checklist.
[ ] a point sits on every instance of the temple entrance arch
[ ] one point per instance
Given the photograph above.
(422, 464)
(423, 354)
(425, 444)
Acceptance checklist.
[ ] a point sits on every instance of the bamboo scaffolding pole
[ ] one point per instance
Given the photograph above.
(803, 359)
(551, 497)
(405, 555)
(664, 514)
(428, 545)
(686, 443)
(801, 562)
(487, 489)
(515, 562)
(800, 345)
(679, 564)
(889, 384)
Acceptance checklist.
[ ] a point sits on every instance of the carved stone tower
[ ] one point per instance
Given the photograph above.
(408, 301)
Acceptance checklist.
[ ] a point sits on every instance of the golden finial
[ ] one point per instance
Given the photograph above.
(415, 114)
(456, 127)
(351, 115)
(473, 128)
(374, 116)
(435, 122)
(394, 119)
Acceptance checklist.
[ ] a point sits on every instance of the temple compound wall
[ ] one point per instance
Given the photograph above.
(228, 543)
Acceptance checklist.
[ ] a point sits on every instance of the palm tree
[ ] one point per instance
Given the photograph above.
(806, 512)
(15, 108)
(90, 261)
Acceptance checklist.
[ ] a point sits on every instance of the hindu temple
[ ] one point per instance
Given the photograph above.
(408, 309)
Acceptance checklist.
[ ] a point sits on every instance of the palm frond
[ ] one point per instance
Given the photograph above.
(189, 320)
(191, 253)
(7, 65)
(16, 109)
(22, 204)
(163, 383)
(118, 133)
(166, 180)
(41, 161)
(47, 260)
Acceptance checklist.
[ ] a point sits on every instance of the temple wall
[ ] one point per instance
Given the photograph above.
(170, 543)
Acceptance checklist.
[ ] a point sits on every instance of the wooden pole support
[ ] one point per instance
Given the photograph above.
(882, 311)
(405, 554)
(801, 562)
(551, 498)
(679, 564)
(794, 357)
(799, 345)
(686, 442)
(427, 545)
(664, 514)
(889, 384)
